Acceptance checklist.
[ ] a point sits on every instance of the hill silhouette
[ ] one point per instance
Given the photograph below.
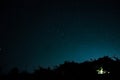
(104, 68)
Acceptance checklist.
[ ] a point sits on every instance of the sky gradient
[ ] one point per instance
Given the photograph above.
(47, 33)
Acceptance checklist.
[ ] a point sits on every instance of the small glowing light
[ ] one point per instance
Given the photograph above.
(101, 71)
(108, 72)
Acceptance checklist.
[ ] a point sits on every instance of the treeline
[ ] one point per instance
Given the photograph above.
(72, 71)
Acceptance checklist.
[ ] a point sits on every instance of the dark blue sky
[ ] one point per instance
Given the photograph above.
(47, 33)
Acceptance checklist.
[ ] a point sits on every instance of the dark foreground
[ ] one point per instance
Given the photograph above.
(102, 69)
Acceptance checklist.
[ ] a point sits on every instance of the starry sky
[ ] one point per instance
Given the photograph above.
(48, 32)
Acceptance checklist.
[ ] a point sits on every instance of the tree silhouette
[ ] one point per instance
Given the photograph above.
(104, 68)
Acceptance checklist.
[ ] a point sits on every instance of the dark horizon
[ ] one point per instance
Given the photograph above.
(113, 58)
(104, 68)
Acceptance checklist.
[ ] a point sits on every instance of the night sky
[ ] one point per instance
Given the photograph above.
(49, 32)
